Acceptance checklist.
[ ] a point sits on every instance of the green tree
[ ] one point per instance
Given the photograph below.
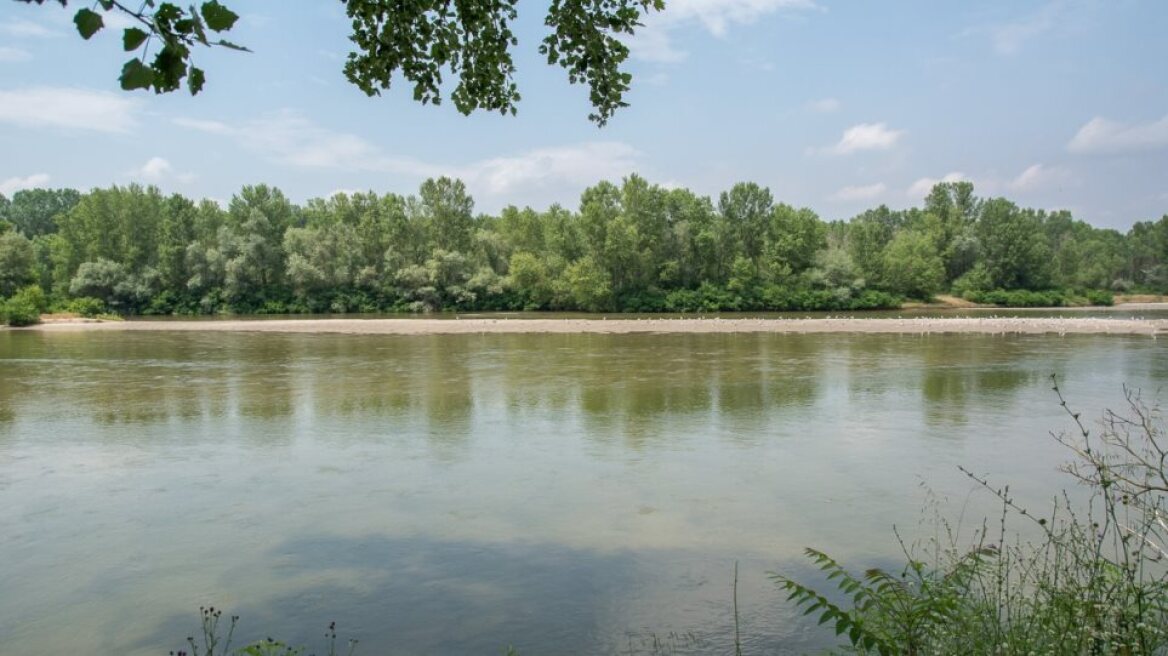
(793, 238)
(1147, 245)
(17, 263)
(113, 284)
(448, 214)
(587, 285)
(176, 232)
(1014, 251)
(957, 210)
(747, 211)
(120, 224)
(34, 211)
(913, 266)
(868, 235)
(529, 276)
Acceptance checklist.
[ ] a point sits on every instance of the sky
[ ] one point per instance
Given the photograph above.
(836, 105)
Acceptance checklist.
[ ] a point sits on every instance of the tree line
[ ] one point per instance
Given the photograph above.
(633, 246)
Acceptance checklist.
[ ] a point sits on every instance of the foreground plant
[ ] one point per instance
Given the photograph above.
(1093, 581)
(214, 643)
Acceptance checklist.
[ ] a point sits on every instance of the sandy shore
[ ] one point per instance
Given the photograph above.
(909, 326)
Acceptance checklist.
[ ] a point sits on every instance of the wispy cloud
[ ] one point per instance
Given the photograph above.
(1101, 135)
(654, 45)
(1055, 17)
(923, 186)
(291, 138)
(75, 109)
(13, 185)
(865, 136)
(25, 28)
(654, 41)
(576, 164)
(824, 105)
(10, 54)
(860, 192)
(1008, 38)
(1038, 176)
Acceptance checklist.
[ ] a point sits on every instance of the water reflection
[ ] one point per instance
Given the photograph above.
(636, 387)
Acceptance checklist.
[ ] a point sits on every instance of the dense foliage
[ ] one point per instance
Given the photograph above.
(417, 41)
(628, 247)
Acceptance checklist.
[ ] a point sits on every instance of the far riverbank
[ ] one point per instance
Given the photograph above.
(380, 326)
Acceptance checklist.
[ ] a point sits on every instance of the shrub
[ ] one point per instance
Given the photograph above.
(24, 308)
(1100, 297)
(974, 280)
(706, 298)
(86, 306)
(216, 640)
(1018, 298)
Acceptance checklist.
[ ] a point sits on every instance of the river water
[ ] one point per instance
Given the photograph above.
(568, 494)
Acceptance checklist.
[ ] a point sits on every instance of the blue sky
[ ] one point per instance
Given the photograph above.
(838, 105)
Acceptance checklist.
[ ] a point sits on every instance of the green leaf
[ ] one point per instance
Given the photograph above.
(88, 22)
(218, 17)
(136, 75)
(233, 46)
(133, 38)
(195, 80)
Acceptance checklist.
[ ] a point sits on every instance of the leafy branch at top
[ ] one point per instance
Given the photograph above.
(419, 40)
(178, 30)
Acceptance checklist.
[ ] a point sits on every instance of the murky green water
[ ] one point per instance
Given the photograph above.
(456, 494)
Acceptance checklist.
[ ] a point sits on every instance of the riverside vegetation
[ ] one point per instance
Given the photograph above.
(1086, 578)
(633, 247)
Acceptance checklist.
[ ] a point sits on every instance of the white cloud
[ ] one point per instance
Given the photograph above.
(1008, 38)
(291, 138)
(923, 186)
(24, 28)
(865, 136)
(653, 41)
(1101, 135)
(580, 164)
(58, 107)
(824, 105)
(654, 45)
(13, 185)
(1037, 176)
(10, 54)
(213, 127)
(155, 169)
(860, 192)
(717, 15)
(288, 137)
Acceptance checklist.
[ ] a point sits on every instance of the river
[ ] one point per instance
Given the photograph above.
(569, 494)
